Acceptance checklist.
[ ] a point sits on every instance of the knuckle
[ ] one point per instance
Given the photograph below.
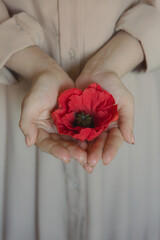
(21, 125)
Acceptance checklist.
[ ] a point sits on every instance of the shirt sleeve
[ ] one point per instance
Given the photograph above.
(143, 22)
(16, 33)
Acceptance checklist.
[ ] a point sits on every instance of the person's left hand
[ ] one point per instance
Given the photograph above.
(107, 144)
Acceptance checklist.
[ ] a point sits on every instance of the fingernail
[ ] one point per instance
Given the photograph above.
(133, 139)
(93, 163)
(27, 140)
(65, 160)
(81, 160)
(88, 169)
(107, 160)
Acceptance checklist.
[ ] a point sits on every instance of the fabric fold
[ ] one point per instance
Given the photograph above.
(143, 23)
(17, 33)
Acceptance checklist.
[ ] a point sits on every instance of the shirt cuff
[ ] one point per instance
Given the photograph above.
(143, 23)
(17, 33)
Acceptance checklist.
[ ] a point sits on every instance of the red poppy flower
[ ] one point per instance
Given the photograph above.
(85, 114)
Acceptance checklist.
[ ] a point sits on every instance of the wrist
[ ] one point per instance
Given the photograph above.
(120, 55)
(31, 62)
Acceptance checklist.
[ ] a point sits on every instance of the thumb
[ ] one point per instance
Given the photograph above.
(29, 130)
(27, 123)
(126, 123)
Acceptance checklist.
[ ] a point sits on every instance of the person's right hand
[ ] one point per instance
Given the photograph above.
(36, 123)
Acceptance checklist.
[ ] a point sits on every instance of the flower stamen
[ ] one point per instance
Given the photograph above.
(84, 120)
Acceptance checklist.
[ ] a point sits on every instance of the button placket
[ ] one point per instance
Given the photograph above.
(72, 53)
(74, 199)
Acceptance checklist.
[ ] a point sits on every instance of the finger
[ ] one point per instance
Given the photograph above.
(29, 130)
(76, 151)
(47, 144)
(87, 168)
(96, 149)
(113, 143)
(82, 145)
(126, 121)
(95, 152)
(76, 148)
(27, 123)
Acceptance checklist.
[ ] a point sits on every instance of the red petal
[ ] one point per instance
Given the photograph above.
(57, 115)
(91, 101)
(98, 88)
(76, 104)
(68, 120)
(86, 134)
(103, 119)
(64, 98)
(102, 98)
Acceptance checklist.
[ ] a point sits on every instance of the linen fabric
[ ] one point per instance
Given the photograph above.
(40, 197)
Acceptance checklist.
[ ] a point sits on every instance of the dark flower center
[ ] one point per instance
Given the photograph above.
(84, 120)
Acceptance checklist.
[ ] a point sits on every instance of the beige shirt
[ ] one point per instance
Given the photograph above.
(42, 198)
(72, 31)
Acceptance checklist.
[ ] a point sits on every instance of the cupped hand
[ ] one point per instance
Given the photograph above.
(107, 144)
(36, 123)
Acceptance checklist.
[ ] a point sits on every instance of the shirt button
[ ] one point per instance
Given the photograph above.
(72, 53)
